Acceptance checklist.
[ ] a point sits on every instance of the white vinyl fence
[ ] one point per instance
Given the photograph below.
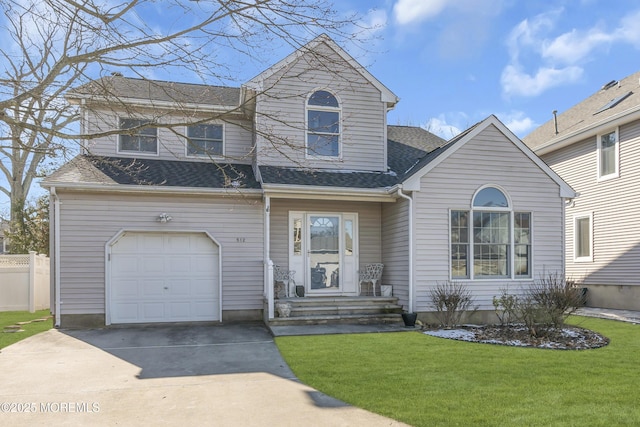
(24, 282)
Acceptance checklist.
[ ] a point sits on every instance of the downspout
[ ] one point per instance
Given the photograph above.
(56, 253)
(268, 289)
(404, 196)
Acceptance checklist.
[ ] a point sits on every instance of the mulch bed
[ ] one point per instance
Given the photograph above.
(567, 338)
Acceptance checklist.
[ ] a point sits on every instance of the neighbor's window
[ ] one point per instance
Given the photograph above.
(582, 238)
(323, 125)
(497, 239)
(205, 140)
(141, 140)
(608, 155)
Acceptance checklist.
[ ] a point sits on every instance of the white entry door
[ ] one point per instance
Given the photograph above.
(323, 252)
(164, 277)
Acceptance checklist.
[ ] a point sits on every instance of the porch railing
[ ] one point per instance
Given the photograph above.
(269, 294)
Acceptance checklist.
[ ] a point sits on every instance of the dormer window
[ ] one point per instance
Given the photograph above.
(323, 125)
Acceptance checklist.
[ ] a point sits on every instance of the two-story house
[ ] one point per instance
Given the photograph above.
(188, 194)
(593, 146)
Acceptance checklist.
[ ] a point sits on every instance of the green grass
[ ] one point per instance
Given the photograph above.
(428, 381)
(12, 317)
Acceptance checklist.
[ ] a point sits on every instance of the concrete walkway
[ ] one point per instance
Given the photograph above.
(179, 375)
(609, 313)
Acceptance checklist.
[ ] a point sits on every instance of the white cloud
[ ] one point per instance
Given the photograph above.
(561, 57)
(374, 22)
(518, 122)
(413, 11)
(440, 126)
(517, 82)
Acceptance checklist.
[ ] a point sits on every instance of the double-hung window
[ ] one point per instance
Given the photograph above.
(140, 139)
(608, 155)
(205, 140)
(323, 125)
(490, 240)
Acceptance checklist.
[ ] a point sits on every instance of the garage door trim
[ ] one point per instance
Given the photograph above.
(108, 265)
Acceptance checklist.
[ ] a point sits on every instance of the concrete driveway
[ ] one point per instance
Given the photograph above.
(228, 375)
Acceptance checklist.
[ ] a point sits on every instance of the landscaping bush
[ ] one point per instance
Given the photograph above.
(544, 306)
(452, 302)
(506, 307)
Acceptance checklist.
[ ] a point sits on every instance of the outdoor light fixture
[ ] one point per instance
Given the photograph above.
(164, 217)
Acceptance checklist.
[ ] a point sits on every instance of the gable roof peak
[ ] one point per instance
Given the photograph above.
(256, 83)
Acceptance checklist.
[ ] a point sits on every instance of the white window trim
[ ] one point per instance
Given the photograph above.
(615, 174)
(205, 156)
(306, 125)
(470, 209)
(576, 217)
(138, 153)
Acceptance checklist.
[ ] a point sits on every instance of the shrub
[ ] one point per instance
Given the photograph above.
(506, 307)
(452, 301)
(544, 306)
(556, 297)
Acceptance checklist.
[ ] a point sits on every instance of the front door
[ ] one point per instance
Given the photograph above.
(323, 252)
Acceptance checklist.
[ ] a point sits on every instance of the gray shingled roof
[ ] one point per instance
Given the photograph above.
(169, 173)
(123, 87)
(415, 137)
(584, 114)
(403, 160)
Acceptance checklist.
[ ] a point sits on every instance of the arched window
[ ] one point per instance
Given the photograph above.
(496, 239)
(323, 125)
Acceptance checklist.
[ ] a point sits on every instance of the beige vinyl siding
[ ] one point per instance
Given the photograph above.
(614, 204)
(395, 248)
(88, 221)
(171, 143)
(281, 111)
(490, 158)
(369, 221)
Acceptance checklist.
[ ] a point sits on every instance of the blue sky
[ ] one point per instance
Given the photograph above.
(454, 62)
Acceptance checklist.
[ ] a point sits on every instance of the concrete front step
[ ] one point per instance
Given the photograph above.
(340, 310)
(297, 311)
(358, 319)
(334, 301)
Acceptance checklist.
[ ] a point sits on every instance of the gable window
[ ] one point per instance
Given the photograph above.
(495, 239)
(582, 238)
(142, 140)
(323, 125)
(205, 140)
(608, 155)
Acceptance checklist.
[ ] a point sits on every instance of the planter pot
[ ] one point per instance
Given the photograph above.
(409, 319)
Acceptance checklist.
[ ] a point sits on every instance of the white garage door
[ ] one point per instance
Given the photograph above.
(164, 277)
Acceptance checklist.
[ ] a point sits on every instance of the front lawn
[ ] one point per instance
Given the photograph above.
(9, 318)
(427, 381)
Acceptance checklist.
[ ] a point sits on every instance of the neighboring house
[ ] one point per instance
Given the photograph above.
(594, 147)
(297, 167)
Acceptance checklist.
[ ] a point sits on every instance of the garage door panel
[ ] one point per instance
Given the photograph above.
(153, 264)
(126, 265)
(182, 288)
(127, 312)
(125, 289)
(154, 311)
(164, 277)
(179, 264)
(150, 243)
(152, 288)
